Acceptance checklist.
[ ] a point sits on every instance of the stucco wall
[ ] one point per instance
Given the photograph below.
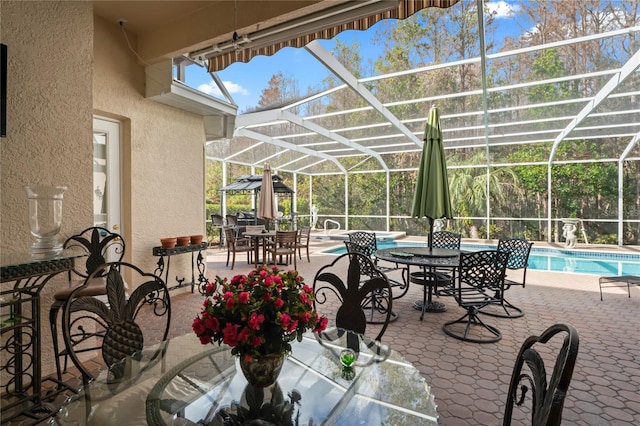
(163, 152)
(63, 68)
(49, 120)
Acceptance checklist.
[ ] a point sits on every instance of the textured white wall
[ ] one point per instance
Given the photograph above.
(163, 153)
(63, 68)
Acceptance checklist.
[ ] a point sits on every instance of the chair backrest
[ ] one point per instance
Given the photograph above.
(286, 239)
(255, 228)
(304, 234)
(547, 393)
(232, 220)
(518, 249)
(446, 240)
(367, 268)
(482, 270)
(101, 246)
(217, 220)
(353, 294)
(230, 235)
(89, 323)
(365, 239)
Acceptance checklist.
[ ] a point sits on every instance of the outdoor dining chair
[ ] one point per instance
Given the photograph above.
(237, 245)
(284, 246)
(218, 223)
(100, 245)
(304, 237)
(368, 243)
(529, 376)
(119, 328)
(480, 281)
(351, 296)
(519, 250)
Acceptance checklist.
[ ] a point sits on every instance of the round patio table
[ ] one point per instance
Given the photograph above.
(429, 260)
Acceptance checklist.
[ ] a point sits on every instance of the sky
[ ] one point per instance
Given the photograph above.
(245, 82)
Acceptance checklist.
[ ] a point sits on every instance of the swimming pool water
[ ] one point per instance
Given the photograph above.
(543, 259)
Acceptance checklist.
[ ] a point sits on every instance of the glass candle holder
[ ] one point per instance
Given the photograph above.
(45, 217)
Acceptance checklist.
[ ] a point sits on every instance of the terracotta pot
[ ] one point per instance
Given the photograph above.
(196, 239)
(168, 242)
(262, 371)
(183, 241)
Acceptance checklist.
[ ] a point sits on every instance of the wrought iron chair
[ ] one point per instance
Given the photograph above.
(529, 373)
(284, 244)
(237, 245)
(369, 245)
(444, 278)
(354, 295)
(480, 279)
(304, 237)
(518, 250)
(100, 245)
(90, 324)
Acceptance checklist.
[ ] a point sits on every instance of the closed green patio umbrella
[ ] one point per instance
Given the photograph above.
(431, 197)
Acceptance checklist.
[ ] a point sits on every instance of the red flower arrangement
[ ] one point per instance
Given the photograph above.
(258, 313)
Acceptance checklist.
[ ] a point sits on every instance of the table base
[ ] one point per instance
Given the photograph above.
(432, 306)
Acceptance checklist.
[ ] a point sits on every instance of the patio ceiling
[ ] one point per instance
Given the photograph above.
(300, 136)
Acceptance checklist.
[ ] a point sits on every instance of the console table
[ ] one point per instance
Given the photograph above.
(20, 349)
(196, 262)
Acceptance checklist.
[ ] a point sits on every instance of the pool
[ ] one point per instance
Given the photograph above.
(554, 260)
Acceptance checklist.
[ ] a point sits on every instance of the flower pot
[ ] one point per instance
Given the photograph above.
(183, 241)
(261, 371)
(168, 242)
(196, 239)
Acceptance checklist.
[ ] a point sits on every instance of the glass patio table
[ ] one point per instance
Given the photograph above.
(194, 384)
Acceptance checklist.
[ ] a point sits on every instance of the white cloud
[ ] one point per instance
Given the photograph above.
(233, 88)
(502, 9)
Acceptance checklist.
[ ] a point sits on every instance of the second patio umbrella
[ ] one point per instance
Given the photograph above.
(431, 197)
(266, 202)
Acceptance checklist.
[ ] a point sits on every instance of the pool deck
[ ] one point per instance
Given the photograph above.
(470, 381)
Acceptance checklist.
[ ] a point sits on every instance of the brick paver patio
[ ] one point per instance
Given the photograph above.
(470, 380)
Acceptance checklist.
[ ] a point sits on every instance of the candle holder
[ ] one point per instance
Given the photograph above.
(45, 218)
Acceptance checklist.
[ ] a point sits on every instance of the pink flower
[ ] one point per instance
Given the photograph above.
(198, 326)
(303, 298)
(230, 336)
(321, 325)
(279, 303)
(227, 295)
(230, 303)
(205, 339)
(210, 288)
(307, 289)
(305, 317)
(257, 341)
(255, 321)
(243, 297)
(243, 336)
(285, 320)
(212, 324)
(293, 325)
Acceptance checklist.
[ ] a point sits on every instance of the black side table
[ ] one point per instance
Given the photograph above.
(197, 262)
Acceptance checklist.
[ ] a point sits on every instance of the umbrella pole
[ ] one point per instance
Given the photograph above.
(430, 234)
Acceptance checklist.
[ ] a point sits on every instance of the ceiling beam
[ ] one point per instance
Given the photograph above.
(333, 65)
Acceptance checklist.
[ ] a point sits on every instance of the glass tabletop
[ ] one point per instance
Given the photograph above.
(206, 386)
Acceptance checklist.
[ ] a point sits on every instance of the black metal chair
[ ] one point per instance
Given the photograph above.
(353, 295)
(368, 246)
(529, 373)
(100, 245)
(519, 250)
(480, 279)
(444, 278)
(90, 324)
